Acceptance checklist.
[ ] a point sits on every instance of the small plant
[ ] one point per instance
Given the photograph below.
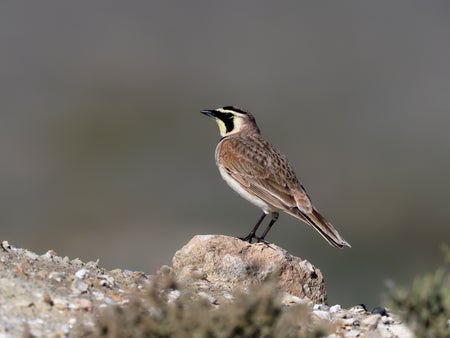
(426, 305)
(257, 314)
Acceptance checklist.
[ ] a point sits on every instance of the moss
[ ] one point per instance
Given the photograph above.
(426, 304)
(256, 314)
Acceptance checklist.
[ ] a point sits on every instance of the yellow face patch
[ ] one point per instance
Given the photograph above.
(238, 123)
(222, 127)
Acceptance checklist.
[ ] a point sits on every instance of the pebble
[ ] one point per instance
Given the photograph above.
(335, 308)
(91, 264)
(78, 286)
(325, 315)
(32, 255)
(106, 280)
(81, 274)
(379, 310)
(208, 297)
(50, 254)
(386, 319)
(173, 296)
(56, 276)
(5, 245)
(359, 309)
(320, 307)
(78, 261)
(372, 321)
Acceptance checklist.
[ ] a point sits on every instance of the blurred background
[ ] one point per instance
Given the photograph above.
(104, 153)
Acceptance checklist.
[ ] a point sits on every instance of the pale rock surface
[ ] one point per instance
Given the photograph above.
(216, 266)
(50, 296)
(230, 264)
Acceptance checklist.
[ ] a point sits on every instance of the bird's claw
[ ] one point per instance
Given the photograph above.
(248, 238)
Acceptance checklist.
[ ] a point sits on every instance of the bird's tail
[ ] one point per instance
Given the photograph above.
(323, 227)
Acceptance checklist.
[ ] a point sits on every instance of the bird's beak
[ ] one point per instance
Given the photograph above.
(210, 113)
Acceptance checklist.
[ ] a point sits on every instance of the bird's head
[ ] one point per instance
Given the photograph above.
(232, 120)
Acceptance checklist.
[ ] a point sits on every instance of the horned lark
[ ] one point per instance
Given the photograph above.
(261, 174)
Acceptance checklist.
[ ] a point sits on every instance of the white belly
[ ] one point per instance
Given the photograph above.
(236, 186)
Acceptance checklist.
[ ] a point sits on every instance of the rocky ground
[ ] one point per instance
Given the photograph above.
(52, 296)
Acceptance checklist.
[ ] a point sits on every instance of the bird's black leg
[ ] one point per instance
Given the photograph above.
(272, 221)
(251, 235)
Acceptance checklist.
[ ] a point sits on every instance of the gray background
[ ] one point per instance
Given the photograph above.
(104, 153)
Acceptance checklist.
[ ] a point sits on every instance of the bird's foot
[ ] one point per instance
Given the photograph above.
(248, 238)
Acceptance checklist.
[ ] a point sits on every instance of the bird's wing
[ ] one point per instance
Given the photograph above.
(267, 175)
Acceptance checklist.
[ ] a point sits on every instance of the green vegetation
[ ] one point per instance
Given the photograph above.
(425, 306)
(257, 314)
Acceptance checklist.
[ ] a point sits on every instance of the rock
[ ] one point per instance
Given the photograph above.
(82, 273)
(321, 314)
(215, 265)
(358, 322)
(230, 264)
(57, 297)
(371, 321)
(335, 308)
(379, 310)
(288, 300)
(41, 294)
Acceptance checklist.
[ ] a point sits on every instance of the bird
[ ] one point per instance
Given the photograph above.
(261, 174)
